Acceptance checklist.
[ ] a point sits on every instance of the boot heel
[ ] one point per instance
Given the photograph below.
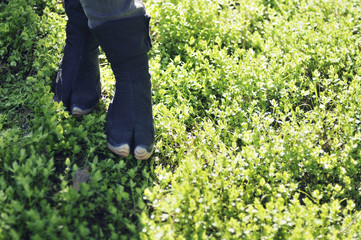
(79, 112)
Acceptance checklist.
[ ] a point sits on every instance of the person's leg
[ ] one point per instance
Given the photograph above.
(78, 80)
(122, 29)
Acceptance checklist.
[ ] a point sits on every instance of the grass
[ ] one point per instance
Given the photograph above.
(257, 114)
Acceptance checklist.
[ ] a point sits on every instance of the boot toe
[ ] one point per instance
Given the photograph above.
(121, 150)
(143, 152)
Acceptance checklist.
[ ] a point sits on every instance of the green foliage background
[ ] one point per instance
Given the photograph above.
(258, 122)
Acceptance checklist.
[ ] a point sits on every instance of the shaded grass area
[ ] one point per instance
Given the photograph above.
(257, 114)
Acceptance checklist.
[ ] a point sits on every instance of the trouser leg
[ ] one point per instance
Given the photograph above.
(99, 12)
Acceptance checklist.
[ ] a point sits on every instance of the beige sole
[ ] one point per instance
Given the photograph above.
(78, 112)
(122, 150)
(141, 153)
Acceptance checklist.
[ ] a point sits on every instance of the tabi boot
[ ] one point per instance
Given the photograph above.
(129, 120)
(77, 84)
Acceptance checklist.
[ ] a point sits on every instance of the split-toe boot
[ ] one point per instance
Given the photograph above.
(129, 125)
(77, 83)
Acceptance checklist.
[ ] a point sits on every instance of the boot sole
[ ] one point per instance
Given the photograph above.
(78, 112)
(141, 153)
(122, 150)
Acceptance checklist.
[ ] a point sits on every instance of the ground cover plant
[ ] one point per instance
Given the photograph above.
(257, 113)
